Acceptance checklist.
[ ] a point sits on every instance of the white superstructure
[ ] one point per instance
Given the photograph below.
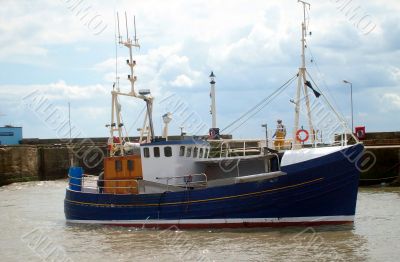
(174, 162)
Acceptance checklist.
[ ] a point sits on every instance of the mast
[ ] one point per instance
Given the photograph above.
(116, 119)
(70, 136)
(213, 105)
(301, 83)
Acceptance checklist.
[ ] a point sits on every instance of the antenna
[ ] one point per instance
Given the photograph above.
(304, 11)
(126, 25)
(116, 49)
(119, 33)
(136, 40)
(134, 26)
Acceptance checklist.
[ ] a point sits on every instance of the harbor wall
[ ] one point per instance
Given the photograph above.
(18, 163)
(386, 168)
(22, 163)
(382, 138)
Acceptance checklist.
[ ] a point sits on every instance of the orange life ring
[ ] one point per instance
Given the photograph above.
(298, 135)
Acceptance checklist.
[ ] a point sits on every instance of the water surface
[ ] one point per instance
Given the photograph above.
(33, 229)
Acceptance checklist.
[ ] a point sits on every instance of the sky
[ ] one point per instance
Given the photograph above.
(55, 53)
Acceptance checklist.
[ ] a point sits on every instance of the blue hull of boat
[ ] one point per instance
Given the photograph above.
(317, 191)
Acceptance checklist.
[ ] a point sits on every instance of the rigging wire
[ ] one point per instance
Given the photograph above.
(272, 98)
(337, 114)
(259, 106)
(322, 80)
(137, 118)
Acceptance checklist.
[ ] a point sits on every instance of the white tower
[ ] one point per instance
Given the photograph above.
(213, 110)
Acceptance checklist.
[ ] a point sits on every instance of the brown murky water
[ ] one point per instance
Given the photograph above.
(33, 229)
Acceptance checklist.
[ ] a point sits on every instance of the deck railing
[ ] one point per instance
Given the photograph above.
(235, 147)
(92, 183)
(188, 180)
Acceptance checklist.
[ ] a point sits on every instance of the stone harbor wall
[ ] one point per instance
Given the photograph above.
(18, 163)
(22, 163)
(53, 162)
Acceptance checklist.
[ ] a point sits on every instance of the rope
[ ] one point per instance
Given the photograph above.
(259, 106)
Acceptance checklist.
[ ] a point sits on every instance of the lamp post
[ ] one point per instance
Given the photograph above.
(266, 134)
(351, 101)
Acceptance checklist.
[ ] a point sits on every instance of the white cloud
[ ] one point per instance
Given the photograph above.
(31, 105)
(29, 29)
(391, 101)
(56, 91)
(157, 69)
(395, 72)
(262, 45)
(182, 81)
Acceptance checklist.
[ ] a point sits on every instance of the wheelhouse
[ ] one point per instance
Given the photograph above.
(169, 162)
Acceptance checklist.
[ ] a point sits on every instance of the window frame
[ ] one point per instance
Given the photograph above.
(195, 152)
(118, 165)
(156, 151)
(130, 165)
(146, 152)
(189, 151)
(182, 150)
(167, 151)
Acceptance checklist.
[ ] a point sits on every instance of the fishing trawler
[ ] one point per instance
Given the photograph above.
(160, 183)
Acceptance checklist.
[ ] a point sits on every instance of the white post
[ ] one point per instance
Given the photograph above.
(112, 124)
(213, 106)
(144, 130)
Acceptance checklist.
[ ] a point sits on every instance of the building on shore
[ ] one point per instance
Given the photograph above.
(10, 135)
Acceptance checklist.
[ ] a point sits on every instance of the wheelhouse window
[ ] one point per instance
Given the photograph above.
(201, 152)
(118, 165)
(195, 152)
(146, 152)
(167, 151)
(189, 152)
(130, 165)
(156, 151)
(182, 151)
(206, 153)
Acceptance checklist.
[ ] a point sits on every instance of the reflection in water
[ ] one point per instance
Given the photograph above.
(32, 216)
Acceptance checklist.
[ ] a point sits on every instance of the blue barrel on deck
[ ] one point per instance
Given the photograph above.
(75, 178)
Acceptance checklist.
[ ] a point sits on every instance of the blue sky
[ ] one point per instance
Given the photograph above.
(65, 52)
